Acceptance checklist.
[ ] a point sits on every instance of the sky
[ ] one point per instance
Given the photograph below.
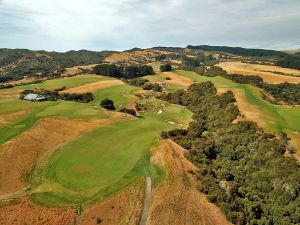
(61, 25)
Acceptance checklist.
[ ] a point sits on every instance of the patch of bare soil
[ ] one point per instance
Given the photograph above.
(93, 86)
(18, 156)
(248, 111)
(176, 200)
(270, 74)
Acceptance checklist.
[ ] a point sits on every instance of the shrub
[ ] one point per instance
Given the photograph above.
(128, 111)
(165, 68)
(154, 87)
(108, 104)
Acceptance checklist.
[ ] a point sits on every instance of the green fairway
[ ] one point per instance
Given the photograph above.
(107, 158)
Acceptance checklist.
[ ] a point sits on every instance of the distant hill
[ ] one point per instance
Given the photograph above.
(17, 63)
(241, 51)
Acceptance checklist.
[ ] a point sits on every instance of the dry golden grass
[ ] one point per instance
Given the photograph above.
(176, 200)
(76, 69)
(248, 111)
(122, 208)
(18, 155)
(93, 86)
(264, 71)
(10, 117)
(24, 81)
(176, 79)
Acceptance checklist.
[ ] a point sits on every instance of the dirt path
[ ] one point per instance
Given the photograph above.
(21, 193)
(147, 201)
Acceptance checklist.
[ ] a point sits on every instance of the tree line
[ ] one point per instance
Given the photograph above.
(127, 72)
(54, 95)
(242, 169)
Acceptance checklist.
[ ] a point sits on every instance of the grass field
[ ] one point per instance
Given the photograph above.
(101, 161)
(102, 166)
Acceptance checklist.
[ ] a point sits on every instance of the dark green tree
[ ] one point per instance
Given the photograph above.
(108, 104)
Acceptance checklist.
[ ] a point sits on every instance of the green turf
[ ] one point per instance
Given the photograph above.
(121, 95)
(107, 158)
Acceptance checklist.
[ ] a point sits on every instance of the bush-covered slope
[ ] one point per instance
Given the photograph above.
(242, 168)
(17, 63)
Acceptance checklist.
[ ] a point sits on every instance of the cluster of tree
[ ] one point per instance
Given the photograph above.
(289, 62)
(242, 169)
(128, 111)
(214, 71)
(253, 80)
(54, 95)
(165, 67)
(126, 72)
(152, 86)
(108, 104)
(80, 97)
(285, 92)
(145, 84)
(5, 78)
(138, 82)
(190, 62)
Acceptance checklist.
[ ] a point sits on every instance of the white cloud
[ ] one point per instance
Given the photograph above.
(122, 24)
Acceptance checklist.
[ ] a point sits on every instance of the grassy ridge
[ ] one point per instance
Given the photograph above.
(282, 118)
